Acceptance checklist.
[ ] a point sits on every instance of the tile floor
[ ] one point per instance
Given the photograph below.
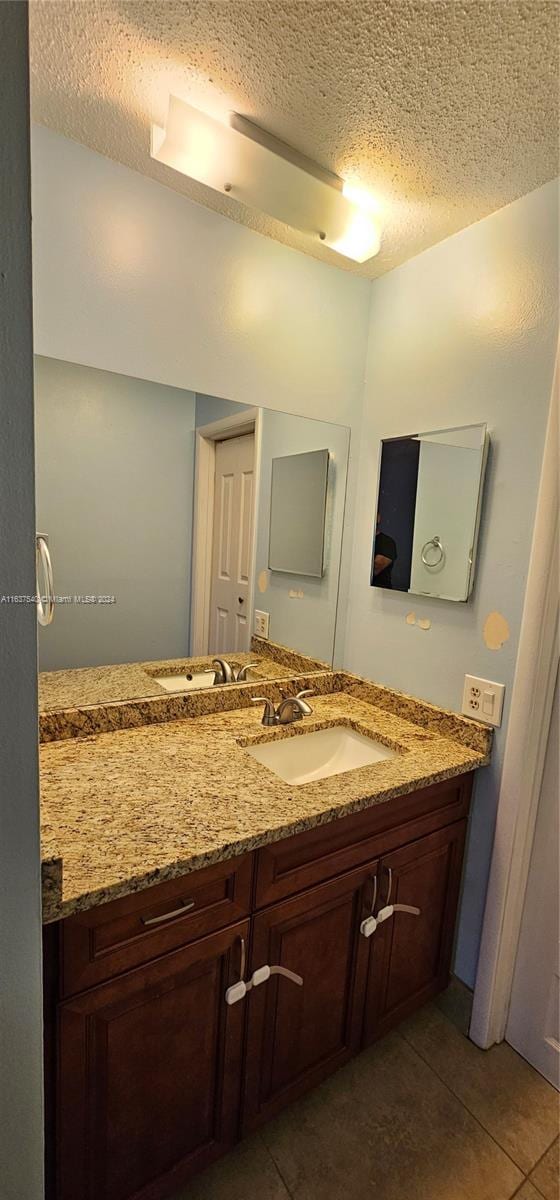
(422, 1115)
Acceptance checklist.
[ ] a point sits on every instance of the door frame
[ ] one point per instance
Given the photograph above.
(247, 421)
(527, 735)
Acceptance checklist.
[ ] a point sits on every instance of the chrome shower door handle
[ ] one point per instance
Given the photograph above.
(44, 574)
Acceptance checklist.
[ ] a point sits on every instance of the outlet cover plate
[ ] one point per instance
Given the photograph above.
(483, 699)
(261, 623)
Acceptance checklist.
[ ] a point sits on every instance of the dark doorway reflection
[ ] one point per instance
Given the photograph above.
(394, 531)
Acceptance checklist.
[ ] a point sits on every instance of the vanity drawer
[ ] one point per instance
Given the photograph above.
(106, 941)
(287, 867)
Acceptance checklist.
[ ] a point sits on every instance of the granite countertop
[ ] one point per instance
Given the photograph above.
(132, 681)
(83, 686)
(123, 810)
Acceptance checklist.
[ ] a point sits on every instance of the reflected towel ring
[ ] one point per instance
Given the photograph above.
(436, 544)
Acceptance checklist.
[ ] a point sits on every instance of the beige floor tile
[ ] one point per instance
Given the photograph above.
(513, 1103)
(386, 1128)
(546, 1175)
(456, 1004)
(246, 1173)
(527, 1192)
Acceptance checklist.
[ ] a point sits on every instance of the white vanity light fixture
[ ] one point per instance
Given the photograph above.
(237, 157)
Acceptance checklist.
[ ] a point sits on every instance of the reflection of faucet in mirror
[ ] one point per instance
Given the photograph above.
(291, 708)
(241, 675)
(226, 673)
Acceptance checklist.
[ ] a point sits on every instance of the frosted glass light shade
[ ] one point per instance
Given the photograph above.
(223, 158)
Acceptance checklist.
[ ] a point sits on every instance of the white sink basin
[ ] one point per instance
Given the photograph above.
(186, 683)
(308, 756)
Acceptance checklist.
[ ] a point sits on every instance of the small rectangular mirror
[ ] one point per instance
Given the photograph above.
(428, 512)
(298, 500)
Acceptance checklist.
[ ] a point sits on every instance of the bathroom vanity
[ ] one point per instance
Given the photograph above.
(217, 940)
(234, 903)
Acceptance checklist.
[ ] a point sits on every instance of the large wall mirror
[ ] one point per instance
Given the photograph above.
(156, 506)
(428, 512)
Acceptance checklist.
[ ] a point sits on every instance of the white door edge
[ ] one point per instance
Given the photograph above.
(529, 722)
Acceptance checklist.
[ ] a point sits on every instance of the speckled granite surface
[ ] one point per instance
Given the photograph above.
(126, 809)
(102, 718)
(84, 686)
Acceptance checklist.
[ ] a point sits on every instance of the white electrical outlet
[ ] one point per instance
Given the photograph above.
(483, 699)
(262, 623)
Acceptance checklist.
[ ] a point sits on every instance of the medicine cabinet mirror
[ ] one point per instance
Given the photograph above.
(175, 523)
(297, 513)
(428, 512)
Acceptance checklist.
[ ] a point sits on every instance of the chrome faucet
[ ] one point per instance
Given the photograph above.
(223, 670)
(291, 708)
(225, 673)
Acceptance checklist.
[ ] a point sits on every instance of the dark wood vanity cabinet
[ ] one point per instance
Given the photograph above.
(151, 1074)
(410, 954)
(296, 1035)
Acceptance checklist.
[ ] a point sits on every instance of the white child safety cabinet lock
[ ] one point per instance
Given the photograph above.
(370, 924)
(239, 990)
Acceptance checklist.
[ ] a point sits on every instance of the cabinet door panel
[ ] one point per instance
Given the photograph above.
(410, 955)
(298, 1035)
(149, 1070)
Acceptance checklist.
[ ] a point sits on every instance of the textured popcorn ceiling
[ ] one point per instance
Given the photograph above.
(445, 110)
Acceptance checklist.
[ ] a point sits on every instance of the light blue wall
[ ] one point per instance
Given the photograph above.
(214, 408)
(158, 287)
(114, 478)
(465, 332)
(307, 623)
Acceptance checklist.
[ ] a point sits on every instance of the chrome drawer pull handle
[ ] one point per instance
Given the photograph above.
(168, 915)
(238, 991)
(369, 924)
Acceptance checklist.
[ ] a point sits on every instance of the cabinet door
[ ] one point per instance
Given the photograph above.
(298, 1035)
(149, 1070)
(410, 956)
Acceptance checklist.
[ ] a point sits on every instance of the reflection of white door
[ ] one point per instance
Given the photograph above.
(229, 627)
(446, 506)
(534, 1019)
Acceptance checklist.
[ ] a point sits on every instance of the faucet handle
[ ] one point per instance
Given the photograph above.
(269, 714)
(241, 676)
(304, 707)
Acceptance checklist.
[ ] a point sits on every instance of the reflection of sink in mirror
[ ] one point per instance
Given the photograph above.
(186, 683)
(309, 756)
